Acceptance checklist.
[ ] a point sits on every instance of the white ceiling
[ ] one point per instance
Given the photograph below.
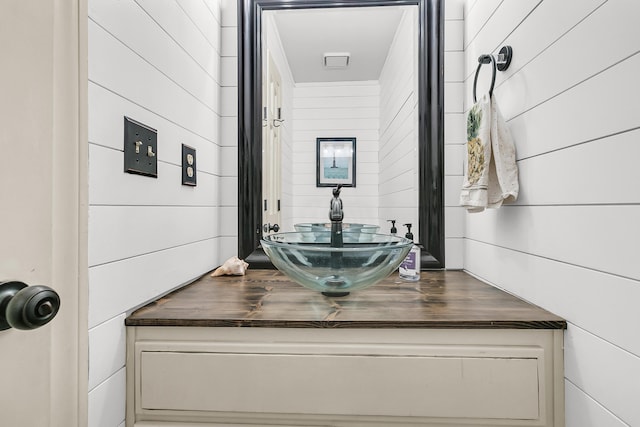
(365, 32)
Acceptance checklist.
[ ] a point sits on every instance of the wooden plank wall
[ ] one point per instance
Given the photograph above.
(454, 132)
(398, 154)
(570, 243)
(158, 63)
(340, 109)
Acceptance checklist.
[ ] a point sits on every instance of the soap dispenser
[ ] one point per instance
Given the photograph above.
(410, 267)
(394, 230)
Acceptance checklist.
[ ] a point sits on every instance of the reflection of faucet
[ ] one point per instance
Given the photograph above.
(336, 214)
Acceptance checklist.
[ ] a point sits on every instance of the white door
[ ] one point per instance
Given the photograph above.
(43, 372)
(271, 151)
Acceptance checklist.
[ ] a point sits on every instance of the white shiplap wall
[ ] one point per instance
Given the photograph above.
(570, 242)
(228, 219)
(159, 63)
(398, 155)
(454, 132)
(340, 109)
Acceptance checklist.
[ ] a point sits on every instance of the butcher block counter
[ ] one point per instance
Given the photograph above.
(259, 349)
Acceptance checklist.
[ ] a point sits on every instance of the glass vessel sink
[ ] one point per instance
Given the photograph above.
(353, 232)
(335, 271)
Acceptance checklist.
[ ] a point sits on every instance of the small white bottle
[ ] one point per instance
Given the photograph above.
(410, 267)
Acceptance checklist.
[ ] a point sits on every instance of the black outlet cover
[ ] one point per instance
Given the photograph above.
(188, 165)
(140, 148)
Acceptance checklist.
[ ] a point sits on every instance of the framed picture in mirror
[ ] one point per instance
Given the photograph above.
(335, 162)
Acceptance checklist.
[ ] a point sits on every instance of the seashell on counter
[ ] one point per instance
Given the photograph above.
(234, 266)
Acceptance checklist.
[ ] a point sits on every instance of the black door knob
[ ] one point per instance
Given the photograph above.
(26, 307)
(268, 227)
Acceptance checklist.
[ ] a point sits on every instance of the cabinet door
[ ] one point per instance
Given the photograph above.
(348, 385)
(170, 424)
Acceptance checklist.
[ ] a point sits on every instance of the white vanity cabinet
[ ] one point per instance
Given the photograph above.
(343, 377)
(183, 373)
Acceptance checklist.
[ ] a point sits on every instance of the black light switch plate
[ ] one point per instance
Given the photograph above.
(140, 148)
(188, 165)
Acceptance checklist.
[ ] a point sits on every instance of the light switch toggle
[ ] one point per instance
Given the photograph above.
(140, 148)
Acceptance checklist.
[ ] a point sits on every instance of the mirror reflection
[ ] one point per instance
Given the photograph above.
(341, 74)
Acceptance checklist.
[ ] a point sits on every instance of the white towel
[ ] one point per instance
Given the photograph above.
(492, 174)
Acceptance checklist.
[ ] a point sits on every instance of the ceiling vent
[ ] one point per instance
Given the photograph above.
(336, 60)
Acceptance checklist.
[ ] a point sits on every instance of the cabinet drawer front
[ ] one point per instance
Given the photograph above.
(459, 387)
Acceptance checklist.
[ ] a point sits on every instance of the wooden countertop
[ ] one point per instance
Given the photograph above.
(267, 298)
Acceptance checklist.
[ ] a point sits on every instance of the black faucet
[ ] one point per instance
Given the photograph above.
(336, 214)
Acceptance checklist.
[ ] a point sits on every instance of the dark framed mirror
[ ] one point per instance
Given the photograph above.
(430, 122)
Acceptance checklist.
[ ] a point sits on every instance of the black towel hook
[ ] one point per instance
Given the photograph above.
(501, 63)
